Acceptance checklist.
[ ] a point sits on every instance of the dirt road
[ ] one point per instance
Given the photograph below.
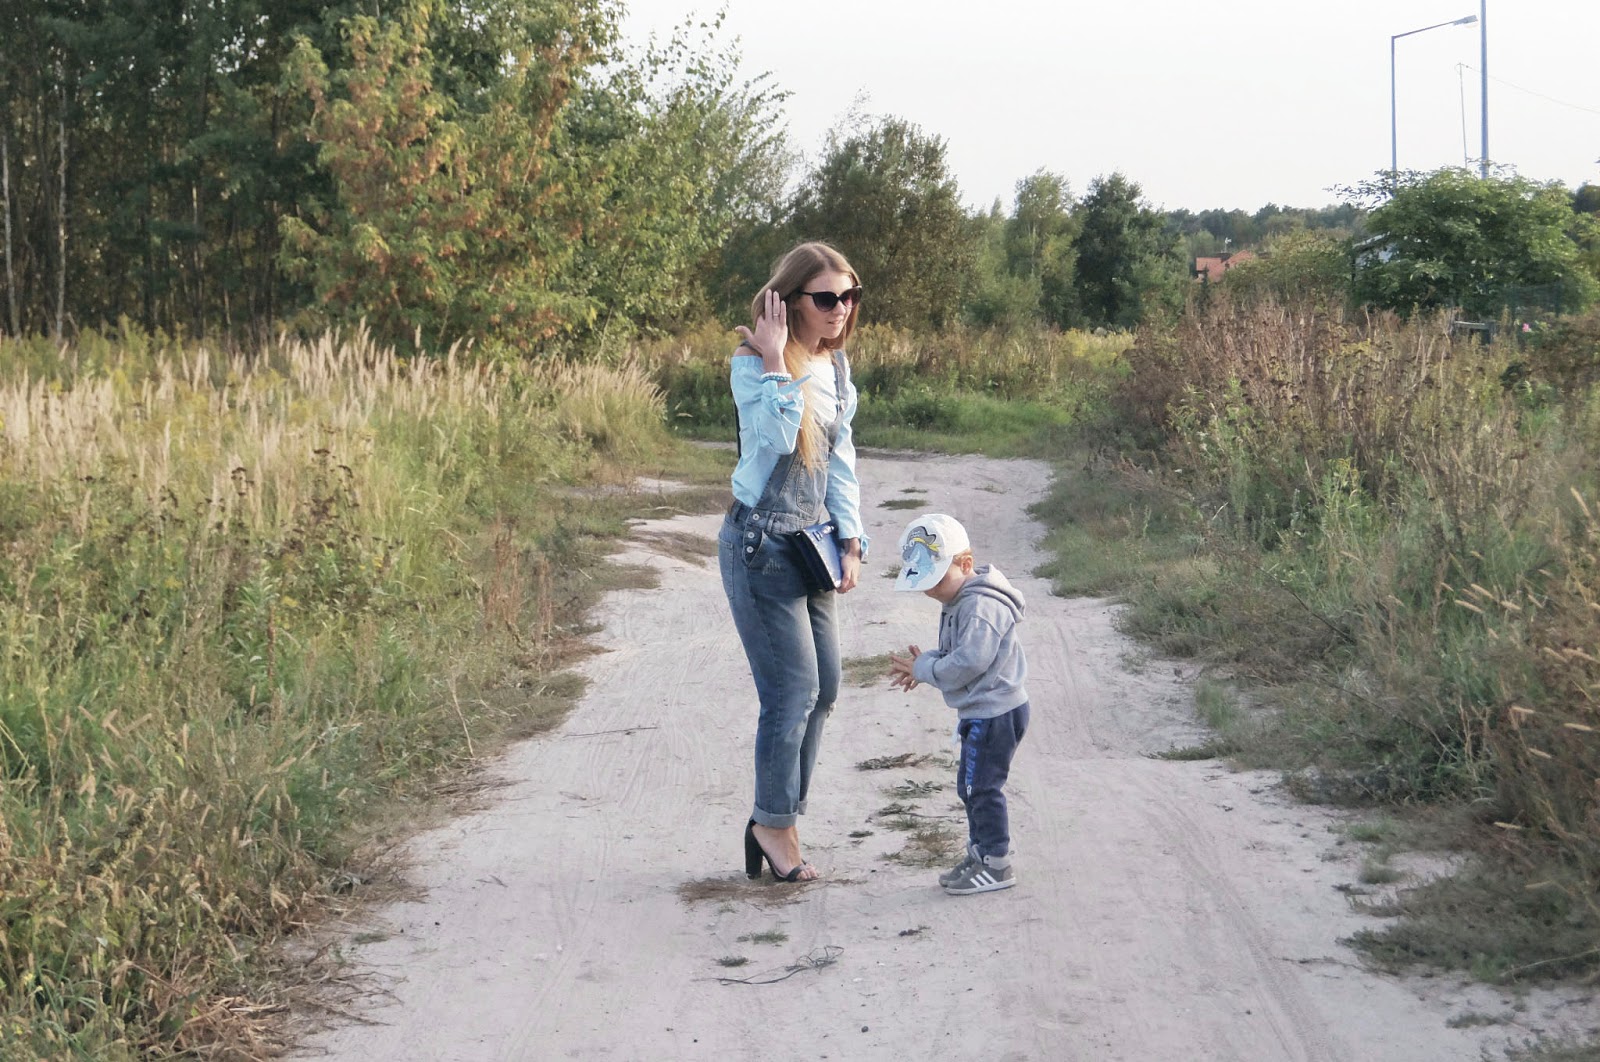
(1165, 910)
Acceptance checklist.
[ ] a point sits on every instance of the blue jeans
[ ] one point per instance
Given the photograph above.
(791, 639)
(987, 746)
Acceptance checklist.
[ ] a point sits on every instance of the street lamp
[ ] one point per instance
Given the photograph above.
(1394, 137)
(1483, 70)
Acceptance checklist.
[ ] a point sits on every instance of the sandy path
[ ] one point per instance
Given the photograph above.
(1165, 910)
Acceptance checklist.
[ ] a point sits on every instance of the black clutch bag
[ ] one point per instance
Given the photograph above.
(819, 556)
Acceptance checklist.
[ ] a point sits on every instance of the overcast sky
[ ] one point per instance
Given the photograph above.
(1227, 103)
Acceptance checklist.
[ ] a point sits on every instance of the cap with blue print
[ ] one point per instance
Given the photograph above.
(927, 546)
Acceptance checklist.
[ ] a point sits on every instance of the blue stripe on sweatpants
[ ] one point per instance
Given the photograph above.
(987, 746)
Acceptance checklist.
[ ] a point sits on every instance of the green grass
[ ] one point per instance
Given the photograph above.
(1374, 832)
(1005, 395)
(1394, 583)
(1378, 872)
(766, 936)
(288, 598)
(1490, 922)
(1112, 528)
(964, 424)
(1555, 1050)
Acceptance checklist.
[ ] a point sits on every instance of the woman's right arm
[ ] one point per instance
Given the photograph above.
(770, 404)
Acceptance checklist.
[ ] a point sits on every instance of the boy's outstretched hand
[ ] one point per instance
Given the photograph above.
(900, 670)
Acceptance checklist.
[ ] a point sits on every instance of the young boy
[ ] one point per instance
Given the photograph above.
(980, 669)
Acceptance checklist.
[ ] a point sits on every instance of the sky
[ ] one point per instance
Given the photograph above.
(1227, 103)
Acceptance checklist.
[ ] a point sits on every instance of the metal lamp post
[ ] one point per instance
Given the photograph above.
(1483, 69)
(1394, 136)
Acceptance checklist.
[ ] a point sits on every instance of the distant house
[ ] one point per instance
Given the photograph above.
(1211, 267)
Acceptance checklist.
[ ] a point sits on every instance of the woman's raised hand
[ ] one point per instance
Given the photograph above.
(771, 334)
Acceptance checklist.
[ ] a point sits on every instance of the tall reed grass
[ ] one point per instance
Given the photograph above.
(238, 595)
(1407, 522)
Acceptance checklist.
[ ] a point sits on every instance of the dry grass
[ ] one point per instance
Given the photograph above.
(680, 545)
(866, 670)
(764, 892)
(243, 602)
(929, 844)
(1408, 556)
(888, 763)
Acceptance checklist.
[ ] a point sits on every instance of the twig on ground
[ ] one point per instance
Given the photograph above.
(813, 961)
(623, 730)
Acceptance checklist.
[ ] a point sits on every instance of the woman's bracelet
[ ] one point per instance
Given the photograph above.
(781, 377)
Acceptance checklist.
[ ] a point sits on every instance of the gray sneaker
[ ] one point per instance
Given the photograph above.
(983, 875)
(960, 868)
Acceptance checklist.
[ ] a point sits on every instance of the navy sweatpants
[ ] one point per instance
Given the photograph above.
(987, 746)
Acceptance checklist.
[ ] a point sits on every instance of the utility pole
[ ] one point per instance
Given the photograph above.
(1483, 67)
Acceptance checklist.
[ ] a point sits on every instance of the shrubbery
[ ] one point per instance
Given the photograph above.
(1406, 533)
(240, 599)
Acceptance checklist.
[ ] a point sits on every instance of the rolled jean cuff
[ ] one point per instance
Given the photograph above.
(777, 822)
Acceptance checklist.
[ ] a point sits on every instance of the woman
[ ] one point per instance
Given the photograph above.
(792, 391)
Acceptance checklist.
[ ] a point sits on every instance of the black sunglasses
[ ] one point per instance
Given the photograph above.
(827, 300)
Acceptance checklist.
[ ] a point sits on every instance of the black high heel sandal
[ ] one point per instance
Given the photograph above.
(754, 854)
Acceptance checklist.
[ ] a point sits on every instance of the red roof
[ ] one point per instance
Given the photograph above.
(1211, 267)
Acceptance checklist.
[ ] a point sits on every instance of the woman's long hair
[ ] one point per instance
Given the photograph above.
(789, 276)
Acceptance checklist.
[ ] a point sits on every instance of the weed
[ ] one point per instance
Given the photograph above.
(245, 602)
(1488, 921)
(1377, 872)
(1473, 1019)
(885, 763)
(929, 844)
(866, 670)
(769, 936)
(1210, 750)
(1387, 543)
(1373, 832)
(1548, 1049)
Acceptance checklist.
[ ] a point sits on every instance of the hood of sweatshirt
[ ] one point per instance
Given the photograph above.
(988, 582)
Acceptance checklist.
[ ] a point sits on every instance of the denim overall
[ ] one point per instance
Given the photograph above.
(790, 635)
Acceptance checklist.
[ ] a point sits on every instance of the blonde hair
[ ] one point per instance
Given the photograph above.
(789, 276)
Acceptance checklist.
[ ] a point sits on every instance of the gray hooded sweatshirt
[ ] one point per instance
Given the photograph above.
(979, 666)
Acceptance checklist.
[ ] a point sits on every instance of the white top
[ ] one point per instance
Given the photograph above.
(823, 390)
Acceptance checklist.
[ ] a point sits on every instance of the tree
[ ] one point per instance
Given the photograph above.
(886, 199)
(684, 154)
(1303, 264)
(1040, 243)
(559, 192)
(1586, 200)
(1128, 266)
(452, 217)
(1484, 244)
(998, 297)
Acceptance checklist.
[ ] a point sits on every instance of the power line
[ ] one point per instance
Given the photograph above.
(1531, 92)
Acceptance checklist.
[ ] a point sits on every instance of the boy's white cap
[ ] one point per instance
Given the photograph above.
(926, 548)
